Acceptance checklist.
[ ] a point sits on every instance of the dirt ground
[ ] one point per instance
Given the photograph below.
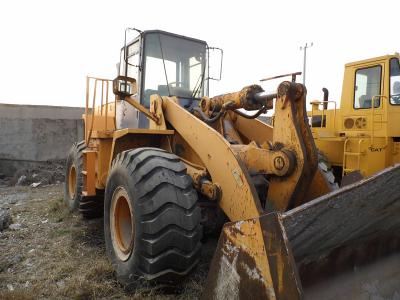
(50, 253)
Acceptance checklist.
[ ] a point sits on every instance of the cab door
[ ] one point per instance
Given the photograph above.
(366, 115)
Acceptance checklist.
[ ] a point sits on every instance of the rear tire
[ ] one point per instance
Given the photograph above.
(159, 239)
(89, 207)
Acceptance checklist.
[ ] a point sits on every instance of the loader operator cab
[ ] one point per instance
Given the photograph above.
(165, 64)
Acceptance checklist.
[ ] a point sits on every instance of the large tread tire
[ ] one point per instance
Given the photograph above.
(89, 207)
(166, 217)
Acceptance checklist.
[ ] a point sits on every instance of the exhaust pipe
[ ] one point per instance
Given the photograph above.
(326, 97)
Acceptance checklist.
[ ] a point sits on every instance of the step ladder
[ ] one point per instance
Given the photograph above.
(347, 154)
(89, 178)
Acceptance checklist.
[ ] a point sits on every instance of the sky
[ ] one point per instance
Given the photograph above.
(49, 47)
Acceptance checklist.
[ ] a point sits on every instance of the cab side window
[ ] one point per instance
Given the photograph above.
(367, 85)
(394, 81)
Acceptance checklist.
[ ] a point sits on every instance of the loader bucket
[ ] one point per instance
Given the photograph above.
(253, 260)
(343, 245)
(350, 238)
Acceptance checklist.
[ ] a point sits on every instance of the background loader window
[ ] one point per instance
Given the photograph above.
(394, 81)
(367, 85)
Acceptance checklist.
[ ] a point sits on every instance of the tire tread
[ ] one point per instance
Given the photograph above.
(168, 217)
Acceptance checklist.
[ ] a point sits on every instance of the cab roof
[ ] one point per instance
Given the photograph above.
(173, 34)
(144, 33)
(371, 60)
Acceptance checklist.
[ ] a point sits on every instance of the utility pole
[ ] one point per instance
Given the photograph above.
(304, 48)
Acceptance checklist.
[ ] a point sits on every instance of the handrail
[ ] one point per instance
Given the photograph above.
(359, 152)
(318, 103)
(344, 156)
(104, 86)
(106, 104)
(293, 75)
(102, 92)
(87, 100)
(93, 111)
(373, 115)
(98, 78)
(105, 83)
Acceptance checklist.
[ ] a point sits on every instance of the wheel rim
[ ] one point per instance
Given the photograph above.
(72, 181)
(122, 224)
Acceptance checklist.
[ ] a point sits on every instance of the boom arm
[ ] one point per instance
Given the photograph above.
(290, 157)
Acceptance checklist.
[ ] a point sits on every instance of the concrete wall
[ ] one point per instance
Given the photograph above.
(33, 134)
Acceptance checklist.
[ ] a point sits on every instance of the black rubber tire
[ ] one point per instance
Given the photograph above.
(167, 240)
(89, 207)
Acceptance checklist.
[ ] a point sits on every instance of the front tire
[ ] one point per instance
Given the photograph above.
(151, 217)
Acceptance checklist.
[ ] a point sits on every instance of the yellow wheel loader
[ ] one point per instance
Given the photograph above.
(166, 164)
(363, 135)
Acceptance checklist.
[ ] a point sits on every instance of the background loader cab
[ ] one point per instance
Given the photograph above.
(364, 134)
(161, 63)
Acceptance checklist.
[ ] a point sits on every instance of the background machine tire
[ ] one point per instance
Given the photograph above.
(327, 170)
(151, 217)
(89, 207)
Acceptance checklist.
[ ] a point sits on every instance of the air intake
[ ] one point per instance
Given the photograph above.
(348, 123)
(361, 123)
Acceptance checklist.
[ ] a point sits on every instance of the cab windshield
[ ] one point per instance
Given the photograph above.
(173, 66)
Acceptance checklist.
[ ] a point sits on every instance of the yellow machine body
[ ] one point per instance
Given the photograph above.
(359, 136)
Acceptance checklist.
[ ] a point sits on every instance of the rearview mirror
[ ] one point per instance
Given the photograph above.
(124, 86)
(215, 57)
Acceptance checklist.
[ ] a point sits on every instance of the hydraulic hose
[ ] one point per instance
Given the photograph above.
(262, 110)
(205, 118)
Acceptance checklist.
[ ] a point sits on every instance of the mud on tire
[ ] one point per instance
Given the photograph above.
(90, 207)
(159, 239)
